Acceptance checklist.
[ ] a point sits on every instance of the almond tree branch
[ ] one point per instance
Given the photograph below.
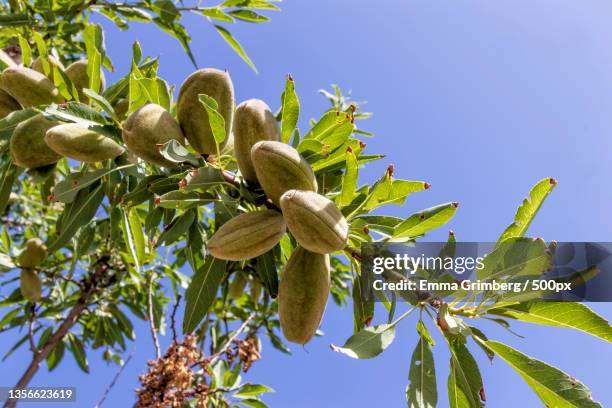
(91, 286)
(114, 381)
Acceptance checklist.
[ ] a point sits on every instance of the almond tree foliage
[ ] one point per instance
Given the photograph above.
(127, 240)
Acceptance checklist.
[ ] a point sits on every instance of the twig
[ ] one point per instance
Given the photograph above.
(112, 384)
(211, 359)
(151, 317)
(173, 318)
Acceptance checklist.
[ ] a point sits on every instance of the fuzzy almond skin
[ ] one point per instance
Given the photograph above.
(81, 143)
(279, 168)
(8, 104)
(193, 117)
(149, 127)
(253, 122)
(28, 147)
(77, 73)
(34, 253)
(28, 87)
(30, 285)
(247, 235)
(315, 221)
(303, 292)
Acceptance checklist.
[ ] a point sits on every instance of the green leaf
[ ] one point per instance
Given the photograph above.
(349, 180)
(56, 355)
(204, 178)
(227, 36)
(217, 123)
(179, 32)
(422, 392)
(290, 105)
(176, 228)
(464, 381)
(363, 310)
(216, 14)
(249, 15)
(166, 10)
(66, 190)
(78, 351)
(553, 386)
(528, 210)
(133, 236)
(77, 214)
(252, 390)
(10, 173)
(94, 45)
(26, 51)
(15, 20)
(560, 314)
(254, 4)
(390, 191)
(202, 292)
(175, 152)
(368, 343)
(265, 267)
(424, 221)
(332, 129)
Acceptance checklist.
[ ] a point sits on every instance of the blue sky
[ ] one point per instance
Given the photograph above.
(481, 99)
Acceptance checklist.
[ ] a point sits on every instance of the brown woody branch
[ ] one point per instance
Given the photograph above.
(91, 286)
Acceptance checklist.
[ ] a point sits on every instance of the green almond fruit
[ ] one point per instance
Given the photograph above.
(81, 143)
(192, 116)
(34, 253)
(147, 129)
(121, 107)
(253, 122)
(8, 104)
(247, 235)
(28, 147)
(279, 168)
(302, 294)
(30, 285)
(77, 73)
(29, 87)
(236, 288)
(315, 221)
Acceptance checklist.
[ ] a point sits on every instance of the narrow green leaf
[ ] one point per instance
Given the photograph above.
(94, 45)
(528, 210)
(252, 390)
(422, 392)
(249, 15)
(10, 173)
(78, 351)
(363, 310)
(176, 228)
(553, 386)
(26, 51)
(465, 388)
(560, 314)
(424, 221)
(290, 105)
(216, 14)
(215, 119)
(332, 129)
(227, 36)
(80, 212)
(349, 180)
(368, 343)
(266, 270)
(202, 292)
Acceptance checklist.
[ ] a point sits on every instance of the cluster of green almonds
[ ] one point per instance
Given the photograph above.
(314, 221)
(285, 176)
(33, 254)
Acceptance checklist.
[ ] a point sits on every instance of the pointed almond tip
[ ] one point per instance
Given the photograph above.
(455, 204)
(426, 185)
(451, 233)
(290, 77)
(552, 181)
